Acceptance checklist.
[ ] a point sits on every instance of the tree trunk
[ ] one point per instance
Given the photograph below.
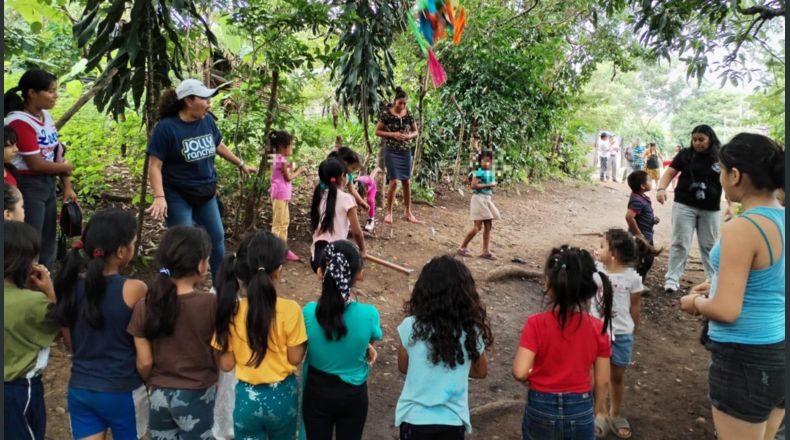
(365, 120)
(255, 195)
(457, 170)
(418, 148)
(100, 83)
(149, 115)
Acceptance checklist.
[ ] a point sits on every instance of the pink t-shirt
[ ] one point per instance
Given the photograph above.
(280, 188)
(341, 224)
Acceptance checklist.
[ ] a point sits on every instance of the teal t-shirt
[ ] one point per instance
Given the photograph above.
(344, 358)
(433, 394)
(486, 177)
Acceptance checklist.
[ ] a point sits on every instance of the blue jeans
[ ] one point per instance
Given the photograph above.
(558, 416)
(179, 212)
(38, 192)
(686, 220)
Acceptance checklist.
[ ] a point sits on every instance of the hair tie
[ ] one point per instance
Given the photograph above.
(98, 252)
(323, 186)
(340, 271)
(164, 271)
(261, 268)
(333, 180)
(78, 245)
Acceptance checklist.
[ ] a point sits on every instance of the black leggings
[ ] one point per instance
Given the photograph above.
(330, 404)
(431, 432)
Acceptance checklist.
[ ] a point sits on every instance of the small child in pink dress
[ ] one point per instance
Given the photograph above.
(282, 175)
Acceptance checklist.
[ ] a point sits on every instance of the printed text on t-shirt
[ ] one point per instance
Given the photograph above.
(198, 148)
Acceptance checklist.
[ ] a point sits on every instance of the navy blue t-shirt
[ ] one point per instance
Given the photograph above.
(187, 150)
(104, 359)
(643, 207)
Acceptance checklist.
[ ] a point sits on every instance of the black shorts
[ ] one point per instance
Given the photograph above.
(746, 381)
(318, 252)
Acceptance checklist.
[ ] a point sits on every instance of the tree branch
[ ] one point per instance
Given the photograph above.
(765, 12)
(522, 13)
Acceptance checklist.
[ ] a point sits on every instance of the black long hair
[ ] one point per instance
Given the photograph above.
(180, 252)
(570, 275)
(34, 79)
(265, 254)
(11, 196)
(444, 303)
(715, 143)
(331, 304)
(622, 245)
(757, 156)
(234, 267)
(169, 104)
(280, 139)
(329, 174)
(347, 155)
(106, 231)
(21, 246)
(9, 139)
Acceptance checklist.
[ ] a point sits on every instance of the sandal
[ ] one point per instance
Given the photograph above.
(601, 427)
(618, 423)
(488, 256)
(464, 252)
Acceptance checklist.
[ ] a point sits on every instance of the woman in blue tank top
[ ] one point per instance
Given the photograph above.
(745, 303)
(105, 391)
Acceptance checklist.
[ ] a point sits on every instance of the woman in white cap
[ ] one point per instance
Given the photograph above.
(181, 163)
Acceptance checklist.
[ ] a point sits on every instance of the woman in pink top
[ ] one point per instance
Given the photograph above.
(282, 175)
(333, 212)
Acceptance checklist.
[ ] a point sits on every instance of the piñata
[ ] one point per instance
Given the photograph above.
(432, 21)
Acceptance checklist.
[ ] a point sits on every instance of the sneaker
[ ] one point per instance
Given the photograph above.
(370, 225)
(290, 256)
(669, 288)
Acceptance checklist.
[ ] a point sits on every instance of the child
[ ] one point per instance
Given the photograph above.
(262, 336)
(339, 336)
(353, 165)
(558, 348)
(640, 219)
(13, 204)
(105, 391)
(333, 212)
(172, 329)
(10, 151)
(28, 331)
(442, 343)
(282, 175)
(482, 208)
(617, 256)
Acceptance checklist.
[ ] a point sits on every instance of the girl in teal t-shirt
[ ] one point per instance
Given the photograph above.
(437, 363)
(339, 350)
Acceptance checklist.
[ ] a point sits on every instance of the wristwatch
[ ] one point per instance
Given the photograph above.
(241, 164)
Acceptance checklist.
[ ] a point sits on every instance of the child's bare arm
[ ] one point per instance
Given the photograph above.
(522, 364)
(356, 230)
(636, 307)
(479, 369)
(360, 201)
(633, 227)
(403, 359)
(289, 175)
(601, 386)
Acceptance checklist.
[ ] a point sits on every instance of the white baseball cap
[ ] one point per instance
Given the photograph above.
(193, 87)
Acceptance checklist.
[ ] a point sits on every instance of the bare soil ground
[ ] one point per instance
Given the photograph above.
(666, 387)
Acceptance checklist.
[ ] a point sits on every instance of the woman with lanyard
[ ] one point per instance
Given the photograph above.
(181, 168)
(745, 302)
(396, 128)
(40, 159)
(697, 203)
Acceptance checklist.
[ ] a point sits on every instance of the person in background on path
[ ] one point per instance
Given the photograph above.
(637, 156)
(333, 212)
(641, 220)
(282, 175)
(41, 155)
(442, 343)
(396, 127)
(263, 336)
(628, 154)
(696, 205)
(482, 208)
(353, 165)
(745, 301)
(617, 256)
(667, 163)
(653, 162)
(614, 155)
(181, 153)
(602, 145)
(29, 329)
(172, 329)
(105, 391)
(560, 346)
(10, 151)
(13, 203)
(340, 334)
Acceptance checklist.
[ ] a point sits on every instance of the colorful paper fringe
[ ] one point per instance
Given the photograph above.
(438, 19)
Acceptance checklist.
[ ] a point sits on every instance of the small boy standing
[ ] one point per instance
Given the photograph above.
(640, 218)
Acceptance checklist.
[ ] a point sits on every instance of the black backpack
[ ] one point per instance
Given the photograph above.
(70, 226)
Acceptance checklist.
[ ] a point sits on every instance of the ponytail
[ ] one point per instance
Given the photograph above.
(227, 300)
(608, 299)
(571, 278)
(64, 284)
(12, 101)
(169, 104)
(329, 173)
(340, 263)
(262, 299)
(161, 307)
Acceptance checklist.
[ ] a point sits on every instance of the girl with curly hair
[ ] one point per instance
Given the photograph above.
(442, 343)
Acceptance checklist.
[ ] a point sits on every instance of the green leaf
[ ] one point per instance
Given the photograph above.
(74, 89)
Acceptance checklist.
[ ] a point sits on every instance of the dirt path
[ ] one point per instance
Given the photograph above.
(666, 387)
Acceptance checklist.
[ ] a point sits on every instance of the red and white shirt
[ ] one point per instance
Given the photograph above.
(34, 137)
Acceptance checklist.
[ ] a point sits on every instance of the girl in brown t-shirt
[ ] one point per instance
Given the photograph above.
(172, 331)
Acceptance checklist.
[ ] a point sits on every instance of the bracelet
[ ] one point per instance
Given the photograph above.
(241, 163)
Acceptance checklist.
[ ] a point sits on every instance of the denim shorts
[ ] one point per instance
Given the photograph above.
(746, 381)
(558, 416)
(622, 349)
(92, 412)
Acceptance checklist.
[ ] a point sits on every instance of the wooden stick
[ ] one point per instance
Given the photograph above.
(392, 266)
